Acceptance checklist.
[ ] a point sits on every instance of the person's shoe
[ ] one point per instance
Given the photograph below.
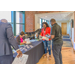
(49, 57)
(45, 55)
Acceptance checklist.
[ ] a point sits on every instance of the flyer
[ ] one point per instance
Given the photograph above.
(21, 60)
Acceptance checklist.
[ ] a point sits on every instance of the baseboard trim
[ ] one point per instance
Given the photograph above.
(72, 44)
(71, 41)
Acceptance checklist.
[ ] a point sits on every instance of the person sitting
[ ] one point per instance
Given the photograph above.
(20, 38)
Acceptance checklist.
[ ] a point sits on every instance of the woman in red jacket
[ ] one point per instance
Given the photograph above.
(46, 30)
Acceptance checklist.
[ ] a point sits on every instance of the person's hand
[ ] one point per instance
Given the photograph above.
(24, 42)
(37, 35)
(19, 53)
(47, 34)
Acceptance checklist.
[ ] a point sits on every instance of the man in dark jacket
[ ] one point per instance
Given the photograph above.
(57, 42)
(6, 41)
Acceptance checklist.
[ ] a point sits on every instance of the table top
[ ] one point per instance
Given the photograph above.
(24, 48)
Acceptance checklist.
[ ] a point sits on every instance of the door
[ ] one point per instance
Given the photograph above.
(64, 28)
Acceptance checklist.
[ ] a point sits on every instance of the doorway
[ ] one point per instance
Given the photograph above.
(64, 28)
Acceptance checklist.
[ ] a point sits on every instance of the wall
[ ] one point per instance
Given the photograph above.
(30, 19)
(59, 23)
(71, 29)
(72, 35)
(37, 22)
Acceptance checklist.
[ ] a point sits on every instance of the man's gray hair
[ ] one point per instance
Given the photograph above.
(4, 20)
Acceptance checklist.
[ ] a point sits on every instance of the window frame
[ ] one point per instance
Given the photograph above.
(13, 14)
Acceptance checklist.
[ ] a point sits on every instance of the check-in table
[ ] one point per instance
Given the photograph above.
(34, 53)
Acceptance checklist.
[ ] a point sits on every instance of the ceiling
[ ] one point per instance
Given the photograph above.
(60, 16)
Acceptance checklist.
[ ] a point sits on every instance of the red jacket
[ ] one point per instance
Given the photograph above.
(48, 31)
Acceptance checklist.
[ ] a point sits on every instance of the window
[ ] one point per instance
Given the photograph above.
(19, 22)
(19, 28)
(41, 23)
(48, 22)
(16, 19)
(43, 20)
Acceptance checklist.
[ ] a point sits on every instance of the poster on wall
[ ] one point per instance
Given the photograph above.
(72, 26)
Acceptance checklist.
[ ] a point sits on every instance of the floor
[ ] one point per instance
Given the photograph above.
(68, 56)
(67, 41)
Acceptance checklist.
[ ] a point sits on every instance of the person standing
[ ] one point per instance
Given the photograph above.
(57, 42)
(46, 30)
(6, 41)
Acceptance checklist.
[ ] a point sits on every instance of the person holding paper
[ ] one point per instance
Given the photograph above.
(46, 30)
(20, 38)
(57, 42)
(6, 41)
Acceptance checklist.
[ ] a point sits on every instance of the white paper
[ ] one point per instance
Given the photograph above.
(27, 46)
(24, 49)
(21, 60)
(48, 36)
(40, 37)
(33, 40)
(45, 38)
(31, 46)
(27, 41)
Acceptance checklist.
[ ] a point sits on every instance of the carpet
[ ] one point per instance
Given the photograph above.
(66, 37)
(67, 44)
(67, 41)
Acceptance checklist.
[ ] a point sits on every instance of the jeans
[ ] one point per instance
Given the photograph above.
(47, 45)
(56, 49)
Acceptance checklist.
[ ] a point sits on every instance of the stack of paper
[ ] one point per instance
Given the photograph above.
(21, 60)
(45, 38)
(27, 41)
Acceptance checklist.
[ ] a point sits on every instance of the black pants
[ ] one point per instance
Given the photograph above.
(56, 49)
(6, 59)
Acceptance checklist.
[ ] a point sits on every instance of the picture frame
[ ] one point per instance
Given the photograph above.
(72, 23)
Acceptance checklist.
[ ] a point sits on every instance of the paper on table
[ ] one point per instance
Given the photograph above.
(27, 46)
(21, 60)
(33, 40)
(31, 46)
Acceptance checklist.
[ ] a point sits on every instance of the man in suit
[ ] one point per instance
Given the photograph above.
(6, 41)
